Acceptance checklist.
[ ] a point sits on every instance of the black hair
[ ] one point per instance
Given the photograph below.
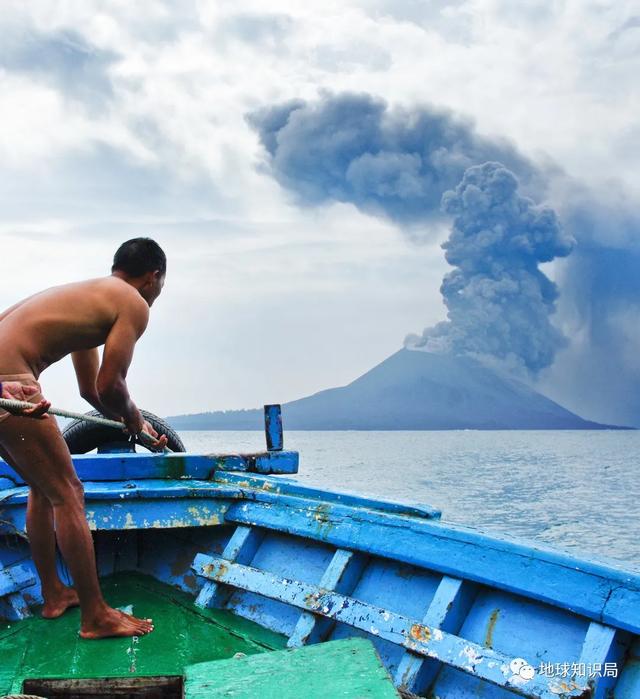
(139, 256)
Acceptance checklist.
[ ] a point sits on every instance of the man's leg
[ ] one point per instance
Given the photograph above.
(42, 541)
(40, 455)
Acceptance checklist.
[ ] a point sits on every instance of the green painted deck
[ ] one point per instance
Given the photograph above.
(184, 634)
(349, 668)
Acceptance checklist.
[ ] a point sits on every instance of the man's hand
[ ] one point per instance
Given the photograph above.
(14, 390)
(160, 442)
(137, 424)
(134, 422)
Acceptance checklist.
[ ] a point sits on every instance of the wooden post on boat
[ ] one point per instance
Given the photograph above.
(273, 427)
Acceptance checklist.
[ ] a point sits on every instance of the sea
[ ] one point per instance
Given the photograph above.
(577, 491)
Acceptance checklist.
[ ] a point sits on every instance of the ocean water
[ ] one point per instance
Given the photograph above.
(578, 491)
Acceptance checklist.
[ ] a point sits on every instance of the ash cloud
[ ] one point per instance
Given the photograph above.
(599, 372)
(413, 166)
(398, 163)
(386, 161)
(499, 302)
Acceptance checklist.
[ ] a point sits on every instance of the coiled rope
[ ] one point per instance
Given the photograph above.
(145, 438)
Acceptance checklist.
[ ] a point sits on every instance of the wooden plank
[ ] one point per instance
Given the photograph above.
(109, 467)
(597, 643)
(341, 575)
(472, 658)
(137, 513)
(579, 585)
(154, 488)
(601, 658)
(137, 504)
(108, 687)
(285, 462)
(284, 486)
(14, 607)
(241, 548)
(15, 578)
(273, 427)
(447, 611)
(349, 668)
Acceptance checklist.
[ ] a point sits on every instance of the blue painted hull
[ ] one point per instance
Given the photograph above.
(452, 613)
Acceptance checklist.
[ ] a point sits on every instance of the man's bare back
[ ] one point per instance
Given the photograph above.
(48, 326)
(75, 319)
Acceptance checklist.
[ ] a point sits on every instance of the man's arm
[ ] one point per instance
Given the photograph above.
(111, 383)
(86, 364)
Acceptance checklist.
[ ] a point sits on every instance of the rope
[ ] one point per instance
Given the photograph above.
(146, 439)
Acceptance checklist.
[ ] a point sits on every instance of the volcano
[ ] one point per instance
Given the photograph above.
(412, 390)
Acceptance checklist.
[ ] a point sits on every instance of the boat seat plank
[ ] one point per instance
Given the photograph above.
(241, 548)
(462, 654)
(347, 668)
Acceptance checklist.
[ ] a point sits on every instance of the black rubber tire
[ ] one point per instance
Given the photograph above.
(82, 437)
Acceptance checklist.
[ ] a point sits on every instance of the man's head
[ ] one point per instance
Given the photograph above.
(141, 262)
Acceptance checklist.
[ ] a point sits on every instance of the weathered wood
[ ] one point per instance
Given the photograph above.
(117, 507)
(348, 668)
(110, 467)
(252, 484)
(602, 646)
(341, 575)
(447, 612)
(156, 687)
(241, 548)
(600, 593)
(597, 643)
(273, 427)
(15, 578)
(14, 607)
(150, 489)
(470, 657)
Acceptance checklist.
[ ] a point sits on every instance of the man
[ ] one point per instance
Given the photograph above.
(75, 319)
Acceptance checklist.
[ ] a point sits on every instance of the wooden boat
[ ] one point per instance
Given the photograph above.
(262, 587)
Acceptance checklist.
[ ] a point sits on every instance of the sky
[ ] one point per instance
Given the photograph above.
(278, 155)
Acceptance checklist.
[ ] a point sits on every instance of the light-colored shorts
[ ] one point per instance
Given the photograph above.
(25, 380)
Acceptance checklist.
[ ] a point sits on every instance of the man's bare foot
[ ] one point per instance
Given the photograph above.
(58, 604)
(112, 622)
